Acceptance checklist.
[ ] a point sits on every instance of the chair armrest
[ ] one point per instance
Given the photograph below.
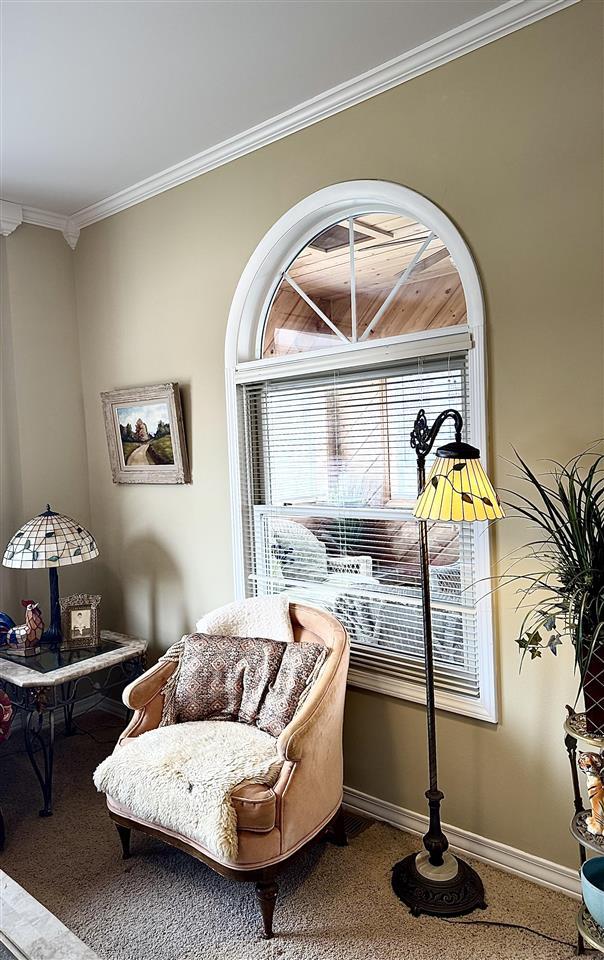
(142, 690)
(144, 696)
(309, 789)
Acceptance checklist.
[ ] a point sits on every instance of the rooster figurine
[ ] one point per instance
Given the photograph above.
(24, 640)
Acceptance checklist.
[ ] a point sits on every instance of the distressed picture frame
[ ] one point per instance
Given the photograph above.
(146, 435)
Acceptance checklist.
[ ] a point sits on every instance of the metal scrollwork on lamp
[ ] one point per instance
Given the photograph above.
(459, 491)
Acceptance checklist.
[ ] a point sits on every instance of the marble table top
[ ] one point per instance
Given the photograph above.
(29, 931)
(20, 675)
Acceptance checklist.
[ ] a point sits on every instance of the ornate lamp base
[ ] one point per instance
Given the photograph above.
(449, 897)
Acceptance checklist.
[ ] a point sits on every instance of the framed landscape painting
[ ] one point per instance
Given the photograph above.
(145, 435)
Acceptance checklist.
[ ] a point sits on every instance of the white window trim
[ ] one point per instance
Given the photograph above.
(249, 308)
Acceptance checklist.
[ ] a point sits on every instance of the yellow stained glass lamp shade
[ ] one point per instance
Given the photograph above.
(457, 488)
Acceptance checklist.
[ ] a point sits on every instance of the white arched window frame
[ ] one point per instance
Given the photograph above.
(244, 364)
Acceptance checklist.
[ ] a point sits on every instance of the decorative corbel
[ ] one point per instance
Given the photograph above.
(71, 232)
(11, 217)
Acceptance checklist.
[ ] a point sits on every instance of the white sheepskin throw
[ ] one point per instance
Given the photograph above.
(182, 776)
(265, 617)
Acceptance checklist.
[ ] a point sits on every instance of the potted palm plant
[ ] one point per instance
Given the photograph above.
(564, 595)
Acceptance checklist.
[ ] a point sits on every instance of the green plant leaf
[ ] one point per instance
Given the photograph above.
(534, 638)
(564, 595)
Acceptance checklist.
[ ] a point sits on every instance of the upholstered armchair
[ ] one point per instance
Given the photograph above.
(273, 822)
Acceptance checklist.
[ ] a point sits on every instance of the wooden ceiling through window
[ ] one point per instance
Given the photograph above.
(312, 307)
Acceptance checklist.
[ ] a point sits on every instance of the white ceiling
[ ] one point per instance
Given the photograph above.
(96, 96)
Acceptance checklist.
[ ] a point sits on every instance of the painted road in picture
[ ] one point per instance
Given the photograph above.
(145, 434)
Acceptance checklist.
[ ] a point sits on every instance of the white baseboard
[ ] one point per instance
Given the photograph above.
(526, 865)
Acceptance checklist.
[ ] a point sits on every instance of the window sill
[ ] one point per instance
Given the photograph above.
(404, 690)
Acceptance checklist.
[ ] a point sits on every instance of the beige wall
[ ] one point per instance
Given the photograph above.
(507, 140)
(43, 449)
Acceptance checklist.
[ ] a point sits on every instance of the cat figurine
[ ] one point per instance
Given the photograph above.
(592, 765)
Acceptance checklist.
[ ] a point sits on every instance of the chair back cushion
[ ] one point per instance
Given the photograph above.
(249, 680)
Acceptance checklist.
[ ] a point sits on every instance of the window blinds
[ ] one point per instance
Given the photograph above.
(328, 485)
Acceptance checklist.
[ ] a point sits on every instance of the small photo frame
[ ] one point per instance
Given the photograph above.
(146, 434)
(79, 620)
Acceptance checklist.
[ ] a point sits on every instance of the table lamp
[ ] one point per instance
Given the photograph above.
(49, 541)
(458, 491)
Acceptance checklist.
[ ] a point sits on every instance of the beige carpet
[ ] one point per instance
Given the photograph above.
(335, 903)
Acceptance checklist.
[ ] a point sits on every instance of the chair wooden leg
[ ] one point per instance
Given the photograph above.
(335, 830)
(266, 894)
(124, 833)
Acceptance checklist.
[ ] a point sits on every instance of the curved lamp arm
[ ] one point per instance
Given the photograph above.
(423, 437)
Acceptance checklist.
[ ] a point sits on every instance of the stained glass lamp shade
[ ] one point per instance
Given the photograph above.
(457, 489)
(49, 541)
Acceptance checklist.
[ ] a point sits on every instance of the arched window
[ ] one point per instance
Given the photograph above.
(361, 305)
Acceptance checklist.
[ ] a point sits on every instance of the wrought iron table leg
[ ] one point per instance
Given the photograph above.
(34, 703)
(34, 735)
(67, 693)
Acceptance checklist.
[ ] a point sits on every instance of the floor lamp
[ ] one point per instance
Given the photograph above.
(458, 491)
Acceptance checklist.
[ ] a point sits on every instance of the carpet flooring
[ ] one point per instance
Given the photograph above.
(334, 903)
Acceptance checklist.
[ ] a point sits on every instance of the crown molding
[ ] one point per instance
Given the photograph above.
(54, 221)
(509, 17)
(12, 215)
(503, 20)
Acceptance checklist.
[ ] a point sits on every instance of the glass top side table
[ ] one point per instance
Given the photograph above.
(40, 685)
